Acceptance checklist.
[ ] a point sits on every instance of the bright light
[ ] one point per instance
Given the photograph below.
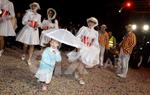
(134, 27)
(120, 11)
(128, 4)
(145, 27)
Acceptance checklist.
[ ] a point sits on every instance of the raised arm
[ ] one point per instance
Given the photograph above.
(58, 56)
(80, 32)
(11, 10)
(56, 24)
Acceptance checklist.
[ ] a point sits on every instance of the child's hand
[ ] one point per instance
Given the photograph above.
(45, 28)
(77, 49)
(54, 51)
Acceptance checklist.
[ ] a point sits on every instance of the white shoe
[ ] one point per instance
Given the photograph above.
(81, 82)
(23, 57)
(115, 67)
(101, 64)
(88, 67)
(76, 76)
(1, 52)
(106, 65)
(29, 62)
(44, 88)
(121, 75)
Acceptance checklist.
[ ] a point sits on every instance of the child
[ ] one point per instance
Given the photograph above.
(50, 56)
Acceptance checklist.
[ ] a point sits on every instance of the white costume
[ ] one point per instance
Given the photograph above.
(30, 35)
(6, 26)
(89, 54)
(47, 26)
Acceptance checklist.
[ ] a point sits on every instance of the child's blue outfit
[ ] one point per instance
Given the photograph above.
(47, 64)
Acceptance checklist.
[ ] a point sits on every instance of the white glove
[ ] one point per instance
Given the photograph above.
(2, 19)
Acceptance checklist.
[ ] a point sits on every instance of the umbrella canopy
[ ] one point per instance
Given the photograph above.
(66, 37)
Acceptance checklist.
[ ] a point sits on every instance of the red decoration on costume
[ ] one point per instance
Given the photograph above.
(4, 13)
(33, 24)
(45, 27)
(86, 40)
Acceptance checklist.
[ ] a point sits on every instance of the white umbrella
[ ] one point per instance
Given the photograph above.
(66, 37)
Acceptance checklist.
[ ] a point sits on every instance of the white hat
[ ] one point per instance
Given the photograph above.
(103, 25)
(35, 3)
(51, 9)
(93, 19)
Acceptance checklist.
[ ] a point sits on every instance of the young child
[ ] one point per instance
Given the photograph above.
(50, 56)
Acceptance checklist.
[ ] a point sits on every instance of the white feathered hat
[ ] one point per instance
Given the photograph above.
(54, 15)
(93, 19)
(35, 3)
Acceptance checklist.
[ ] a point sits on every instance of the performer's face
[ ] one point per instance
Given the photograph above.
(91, 24)
(128, 28)
(103, 28)
(110, 34)
(50, 14)
(34, 7)
(54, 43)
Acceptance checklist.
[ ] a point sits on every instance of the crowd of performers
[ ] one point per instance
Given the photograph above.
(97, 43)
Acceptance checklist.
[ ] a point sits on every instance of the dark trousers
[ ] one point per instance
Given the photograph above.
(109, 55)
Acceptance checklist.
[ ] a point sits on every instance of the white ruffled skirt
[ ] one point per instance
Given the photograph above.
(88, 55)
(28, 36)
(6, 28)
